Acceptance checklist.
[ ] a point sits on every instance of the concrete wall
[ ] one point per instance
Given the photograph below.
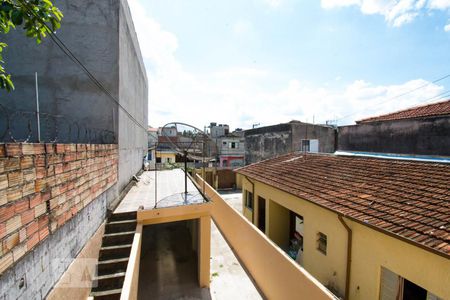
(42, 268)
(133, 95)
(421, 136)
(267, 142)
(101, 34)
(89, 29)
(371, 249)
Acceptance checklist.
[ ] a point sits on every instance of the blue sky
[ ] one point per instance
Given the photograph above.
(272, 61)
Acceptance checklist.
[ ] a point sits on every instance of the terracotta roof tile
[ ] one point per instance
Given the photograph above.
(410, 199)
(430, 110)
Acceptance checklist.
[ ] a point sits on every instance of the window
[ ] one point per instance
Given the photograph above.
(305, 146)
(233, 145)
(322, 243)
(224, 142)
(249, 200)
(310, 146)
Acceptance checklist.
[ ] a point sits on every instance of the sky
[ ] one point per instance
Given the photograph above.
(272, 61)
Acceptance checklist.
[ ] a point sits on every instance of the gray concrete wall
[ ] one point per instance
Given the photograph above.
(43, 267)
(266, 142)
(89, 29)
(133, 93)
(429, 136)
(270, 141)
(326, 136)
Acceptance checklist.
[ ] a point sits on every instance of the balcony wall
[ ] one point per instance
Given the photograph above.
(275, 274)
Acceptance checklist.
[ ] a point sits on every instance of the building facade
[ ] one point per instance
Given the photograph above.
(357, 224)
(266, 142)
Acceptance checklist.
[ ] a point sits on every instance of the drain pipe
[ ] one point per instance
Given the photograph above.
(349, 256)
(253, 195)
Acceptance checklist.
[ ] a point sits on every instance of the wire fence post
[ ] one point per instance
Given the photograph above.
(37, 108)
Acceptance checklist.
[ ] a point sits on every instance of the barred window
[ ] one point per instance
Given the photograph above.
(322, 243)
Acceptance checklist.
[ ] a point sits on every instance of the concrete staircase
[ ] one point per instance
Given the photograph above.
(113, 256)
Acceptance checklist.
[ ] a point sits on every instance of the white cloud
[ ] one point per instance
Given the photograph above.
(242, 95)
(395, 12)
(447, 28)
(273, 3)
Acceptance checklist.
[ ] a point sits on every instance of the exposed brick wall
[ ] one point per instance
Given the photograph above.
(42, 186)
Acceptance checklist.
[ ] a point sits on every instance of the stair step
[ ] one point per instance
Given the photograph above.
(114, 252)
(132, 215)
(107, 295)
(112, 266)
(120, 226)
(108, 282)
(118, 238)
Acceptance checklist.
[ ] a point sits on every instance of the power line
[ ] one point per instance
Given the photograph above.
(74, 59)
(398, 96)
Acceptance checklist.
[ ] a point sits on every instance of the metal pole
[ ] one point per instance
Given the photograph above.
(185, 176)
(37, 108)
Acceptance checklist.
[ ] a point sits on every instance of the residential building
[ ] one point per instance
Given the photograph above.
(216, 131)
(66, 171)
(231, 151)
(421, 130)
(269, 141)
(365, 227)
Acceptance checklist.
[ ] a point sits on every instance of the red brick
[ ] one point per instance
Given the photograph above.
(11, 164)
(14, 193)
(45, 196)
(10, 242)
(40, 161)
(41, 172)
(35, 200)
(28, 188)
(29, 174)
(43, 221)
(19, 251)
(27, 216)
(50, 170)
(32, 227)
(43, 233)
(2, 230)
(49, 148)
(60, 148)
(15, 178)
(6, 212)
(21, 206)
(40, 209)
(13, 224)
(2, 150)
(27, 149)
(5, 262)
(22, 235)
(3, 181)
(39, 149)
(13, 150)
(32, 241)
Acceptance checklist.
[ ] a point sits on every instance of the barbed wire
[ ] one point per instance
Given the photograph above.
(21, 126)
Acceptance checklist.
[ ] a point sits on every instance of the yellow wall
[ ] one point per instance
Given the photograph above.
(165, 155)
(371, 249)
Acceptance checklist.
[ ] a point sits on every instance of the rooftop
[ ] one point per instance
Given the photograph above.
(409, 199)
(429, 110)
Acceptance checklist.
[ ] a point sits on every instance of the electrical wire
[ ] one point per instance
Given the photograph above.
(398, 96)
(74, 59)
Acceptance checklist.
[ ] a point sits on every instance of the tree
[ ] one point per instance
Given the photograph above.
(38, 17)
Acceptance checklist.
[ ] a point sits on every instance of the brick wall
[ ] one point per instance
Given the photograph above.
(42, 186)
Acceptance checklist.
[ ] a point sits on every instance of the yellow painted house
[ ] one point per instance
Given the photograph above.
(367, 228)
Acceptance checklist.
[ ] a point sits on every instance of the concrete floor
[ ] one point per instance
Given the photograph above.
(168, 268)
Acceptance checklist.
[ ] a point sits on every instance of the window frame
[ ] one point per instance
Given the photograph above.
(322, 243)
(249, 200)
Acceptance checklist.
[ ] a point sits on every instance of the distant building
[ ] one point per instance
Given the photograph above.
(217, 131)
(269, 141)
(367, 228)
(421, 130)
(232, 150)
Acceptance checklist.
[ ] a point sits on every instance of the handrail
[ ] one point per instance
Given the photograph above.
(131, 281)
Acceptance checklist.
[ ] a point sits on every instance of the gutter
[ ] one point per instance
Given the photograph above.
(349, 256)
(253, 195)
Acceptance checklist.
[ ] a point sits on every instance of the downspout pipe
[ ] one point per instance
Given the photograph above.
(349, 256)
(253, 195)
